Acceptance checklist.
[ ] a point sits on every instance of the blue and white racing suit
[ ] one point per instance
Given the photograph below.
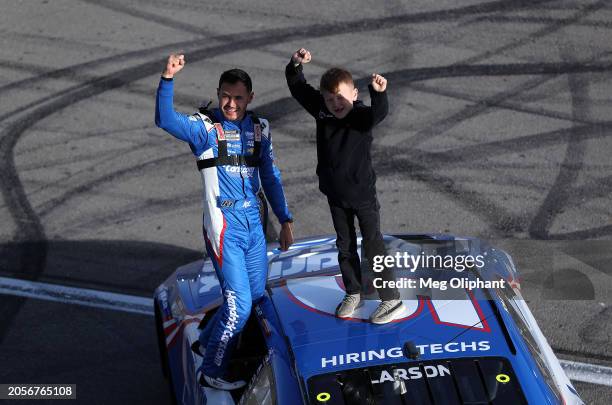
(233, 231)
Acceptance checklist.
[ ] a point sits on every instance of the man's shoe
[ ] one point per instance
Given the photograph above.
(196, 347)
(220, 383)
(349, 303)
(387, 311)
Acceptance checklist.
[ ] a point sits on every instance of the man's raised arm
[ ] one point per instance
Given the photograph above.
(181, 126)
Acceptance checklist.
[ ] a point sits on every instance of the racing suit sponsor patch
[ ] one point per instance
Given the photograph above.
(230, 326)
(232, 134)
(237, 171)
(226, 203)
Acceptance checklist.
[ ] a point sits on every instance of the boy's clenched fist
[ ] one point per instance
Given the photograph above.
(379, 83)
(302, 55)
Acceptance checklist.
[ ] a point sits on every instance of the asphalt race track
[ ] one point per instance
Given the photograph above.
(499, 127)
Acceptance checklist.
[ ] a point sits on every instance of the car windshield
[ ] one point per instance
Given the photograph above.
(487, 380)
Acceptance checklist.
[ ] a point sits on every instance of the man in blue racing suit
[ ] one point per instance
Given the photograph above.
(233, 150)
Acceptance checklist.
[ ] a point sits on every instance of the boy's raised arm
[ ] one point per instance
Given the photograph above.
(305, 94)
(378, 96)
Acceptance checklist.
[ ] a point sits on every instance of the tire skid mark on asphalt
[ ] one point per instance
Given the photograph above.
(501, 222)
(563, 6)
(74, 71)
(604, 185)
(542, 32)
(504, 104)
(443, 125)
(534, 166)
(481, 106)
(175, 203)
(571, 166)
(484, 104)
(597, 232)
(78, 136)
(23, 67)
(76, 158)
(594, 330)
(72, 44)
(147, 209)
(146, 16)
(591, 356)
(67, 91)
(591, 65)
(49, 206)
(519, 144)
(58, 162)
(41, 186)
(543, 20)
(413, 76)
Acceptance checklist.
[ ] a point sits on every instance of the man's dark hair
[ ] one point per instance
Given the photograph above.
(234, 76)
(332, 78)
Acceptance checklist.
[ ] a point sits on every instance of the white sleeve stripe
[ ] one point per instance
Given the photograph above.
(205, 120)
(265, 128)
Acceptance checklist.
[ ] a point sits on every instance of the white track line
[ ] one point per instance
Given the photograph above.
(584, 372)
(78, 296)
(589, 373)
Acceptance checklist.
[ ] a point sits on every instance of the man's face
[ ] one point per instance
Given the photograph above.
(233, 100)
(340, 103)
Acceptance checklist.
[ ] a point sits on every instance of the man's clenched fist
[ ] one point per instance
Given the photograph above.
(379, 83)
(302, 55)
(174, 65)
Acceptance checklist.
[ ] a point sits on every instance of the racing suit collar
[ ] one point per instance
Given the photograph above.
(236, 123)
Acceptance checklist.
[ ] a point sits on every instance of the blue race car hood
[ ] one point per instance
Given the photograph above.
(306, 287)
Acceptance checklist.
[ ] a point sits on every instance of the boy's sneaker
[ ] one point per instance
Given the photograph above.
(220, 383)
(387, 311)
(349, 303)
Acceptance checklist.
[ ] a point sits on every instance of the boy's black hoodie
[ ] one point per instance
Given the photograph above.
(344, 163)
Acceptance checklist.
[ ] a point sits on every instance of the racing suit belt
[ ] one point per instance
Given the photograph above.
(227, 203)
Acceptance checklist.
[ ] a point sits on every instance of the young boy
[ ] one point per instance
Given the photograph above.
(346, 177)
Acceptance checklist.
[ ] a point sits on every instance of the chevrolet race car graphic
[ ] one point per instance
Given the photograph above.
(450, 346)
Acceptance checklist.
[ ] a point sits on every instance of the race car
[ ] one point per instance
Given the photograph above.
(465, 337)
